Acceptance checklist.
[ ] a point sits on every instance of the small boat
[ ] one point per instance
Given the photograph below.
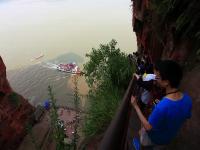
(69, 68)
(40, 56)
(37, 57)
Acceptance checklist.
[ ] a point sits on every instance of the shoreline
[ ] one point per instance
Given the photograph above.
(82, 85)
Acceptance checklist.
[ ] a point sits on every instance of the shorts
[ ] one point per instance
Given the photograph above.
(144, 138)
(146, 141)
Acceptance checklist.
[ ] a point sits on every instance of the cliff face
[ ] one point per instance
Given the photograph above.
(170, 29)
(15, 113)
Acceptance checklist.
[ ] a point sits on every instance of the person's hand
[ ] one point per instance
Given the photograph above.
(134, 101)
(136, 76)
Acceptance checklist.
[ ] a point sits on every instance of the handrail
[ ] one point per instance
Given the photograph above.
(116, 134)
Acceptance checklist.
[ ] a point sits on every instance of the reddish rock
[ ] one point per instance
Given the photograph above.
(4, 85)
(15, 113)
(155, 40)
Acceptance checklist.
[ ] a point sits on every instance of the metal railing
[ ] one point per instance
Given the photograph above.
(115, 137)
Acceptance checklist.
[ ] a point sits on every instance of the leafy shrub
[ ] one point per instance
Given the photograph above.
(107, 73)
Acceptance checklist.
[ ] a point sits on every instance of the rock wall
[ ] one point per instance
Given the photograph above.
(170, 29)
(15, 113)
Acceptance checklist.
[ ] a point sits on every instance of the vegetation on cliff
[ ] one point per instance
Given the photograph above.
(107, 73)
(184, 13)
(58, 131)
(59, 134)
(183, 17)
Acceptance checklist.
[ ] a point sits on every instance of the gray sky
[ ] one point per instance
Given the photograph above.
(54, 27)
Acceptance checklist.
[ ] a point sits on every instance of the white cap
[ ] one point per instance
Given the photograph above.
(148, 77)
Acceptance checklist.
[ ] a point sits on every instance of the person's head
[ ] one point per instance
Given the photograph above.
(149, 68)
(168, 73)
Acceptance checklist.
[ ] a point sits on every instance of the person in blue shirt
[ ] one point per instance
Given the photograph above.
(171, 112)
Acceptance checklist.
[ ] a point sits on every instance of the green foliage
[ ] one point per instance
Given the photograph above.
(185, 15)
(162, 7)
(107, 63)
(58, 131)
(107, 73)
(187, 23)
(14, 99)
(76, 104)
(103, 105)
(181, 18)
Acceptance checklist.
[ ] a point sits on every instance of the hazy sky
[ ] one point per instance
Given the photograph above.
(54, 27)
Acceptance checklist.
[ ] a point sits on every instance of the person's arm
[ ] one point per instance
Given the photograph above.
(142, 118)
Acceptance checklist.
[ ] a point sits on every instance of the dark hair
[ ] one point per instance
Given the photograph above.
(169, 70)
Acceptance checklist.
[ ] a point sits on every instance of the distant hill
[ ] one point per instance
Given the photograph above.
(68, 57)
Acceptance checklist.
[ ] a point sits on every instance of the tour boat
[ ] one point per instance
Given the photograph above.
(69, 68)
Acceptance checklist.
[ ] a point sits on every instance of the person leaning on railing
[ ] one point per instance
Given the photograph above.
(170, 113)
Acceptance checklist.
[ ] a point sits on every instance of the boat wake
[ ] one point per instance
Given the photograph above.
(69, 68)
(50, 65)
(53, 66)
